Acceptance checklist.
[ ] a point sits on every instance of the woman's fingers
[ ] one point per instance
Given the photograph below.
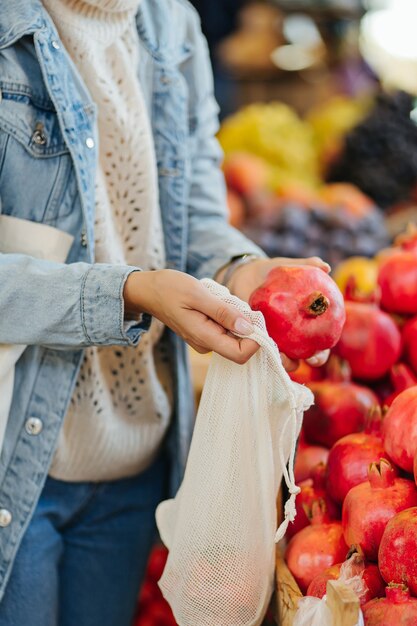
(318, 262)
(225, 315)
(239, 350)
(208, 334)
(236, 349)
(313, 260)
(198, 348)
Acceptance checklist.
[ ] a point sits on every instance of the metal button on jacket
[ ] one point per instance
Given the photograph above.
(39, 136)
(5, 518)
(33, 426)
(89, 142)
(55, 44)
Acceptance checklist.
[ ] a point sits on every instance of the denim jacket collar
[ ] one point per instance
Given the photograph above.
(159, 37)
(24, 17)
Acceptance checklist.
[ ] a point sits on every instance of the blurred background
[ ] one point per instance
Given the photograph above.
(318, 108)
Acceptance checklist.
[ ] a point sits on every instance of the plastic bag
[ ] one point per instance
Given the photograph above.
(314, 611)
(18, 236)
(221, 527)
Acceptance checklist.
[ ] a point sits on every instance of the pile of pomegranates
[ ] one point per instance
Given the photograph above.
(363, 430)
(356, 463)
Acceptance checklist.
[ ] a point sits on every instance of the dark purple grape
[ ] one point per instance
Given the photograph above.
(380, 154)
(294, 217)
(341, 239)
(292, 245)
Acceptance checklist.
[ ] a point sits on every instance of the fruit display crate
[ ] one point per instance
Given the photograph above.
(341, 600)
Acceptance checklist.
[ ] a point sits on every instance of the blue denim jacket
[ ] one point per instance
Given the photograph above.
(48, 154)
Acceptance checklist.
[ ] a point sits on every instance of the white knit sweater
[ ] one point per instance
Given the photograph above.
(120, 409)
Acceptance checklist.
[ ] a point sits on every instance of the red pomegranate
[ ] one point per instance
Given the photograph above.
(357, 566)
(374, 581)
(156, 563)
(397, 277)
(397, 551)
(401, 378)
(303, 309)
(340, 407)
(399, 429)
(152, 609)
(415, 468)
(370, 341)
(160, 613)
(397, 609)
(305, 373)
(317, 587)
(307, 458)
(368, 507)
(351, 455)
(312, 489)
(315, 547)
(409, 337)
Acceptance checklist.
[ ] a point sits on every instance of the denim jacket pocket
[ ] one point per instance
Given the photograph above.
(35, 165)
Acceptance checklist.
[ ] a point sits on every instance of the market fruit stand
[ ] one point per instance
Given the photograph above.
(366, 481)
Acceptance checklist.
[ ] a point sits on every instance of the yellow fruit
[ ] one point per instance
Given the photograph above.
(365, 272)
(332, 120)
(275, 133)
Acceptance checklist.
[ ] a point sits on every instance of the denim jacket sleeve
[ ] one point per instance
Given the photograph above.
(80, 304)
(211, 242)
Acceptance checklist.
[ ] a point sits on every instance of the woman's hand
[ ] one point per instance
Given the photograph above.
(190, 310)
(249, 277)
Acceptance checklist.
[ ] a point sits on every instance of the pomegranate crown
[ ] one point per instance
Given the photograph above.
(338, 370)
(397, 593)
(373, 421)
(402, 377)
(316, 304)
(356, 550)
(318, 475)
(408, 239)
(317, 512)
(381, 474)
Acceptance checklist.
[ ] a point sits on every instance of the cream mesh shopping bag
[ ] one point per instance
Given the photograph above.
(221, 527)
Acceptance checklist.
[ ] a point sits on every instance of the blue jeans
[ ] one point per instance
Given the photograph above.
(84, 554)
